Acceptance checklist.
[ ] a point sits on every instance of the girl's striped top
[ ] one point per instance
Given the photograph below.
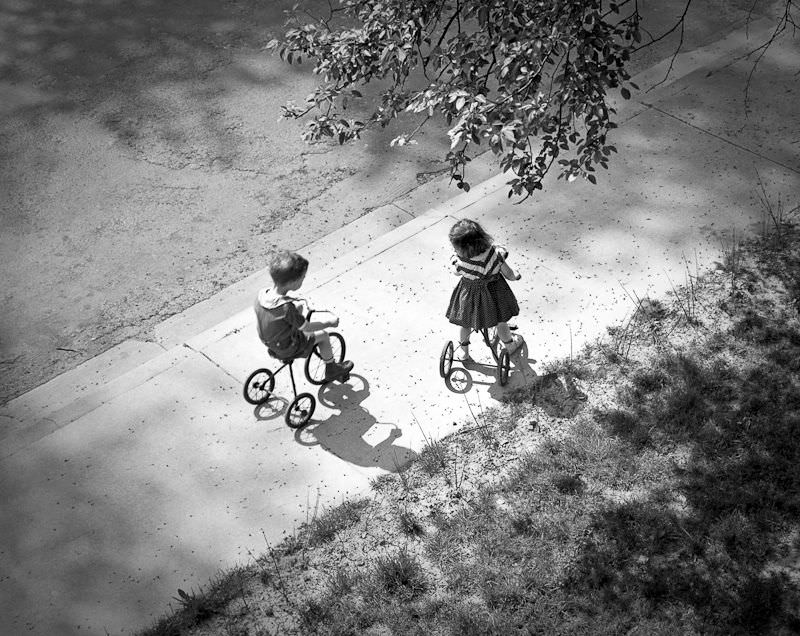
(486, 264)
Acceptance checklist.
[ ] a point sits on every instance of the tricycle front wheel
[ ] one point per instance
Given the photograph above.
(315, 365)
(446, 359)
(503, 367)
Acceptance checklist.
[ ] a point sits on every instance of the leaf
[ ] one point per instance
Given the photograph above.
(625, 93)
(592, 178)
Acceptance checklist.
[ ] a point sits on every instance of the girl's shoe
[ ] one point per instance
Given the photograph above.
(513, 345)
(462, 355)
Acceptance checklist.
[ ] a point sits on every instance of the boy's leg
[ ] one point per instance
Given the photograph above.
(323, 341)
(333, 369)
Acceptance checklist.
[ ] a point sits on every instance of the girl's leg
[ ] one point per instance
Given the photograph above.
(510, 342)
(463, 343)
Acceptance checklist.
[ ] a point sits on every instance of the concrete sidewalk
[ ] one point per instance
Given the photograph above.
(145, 470)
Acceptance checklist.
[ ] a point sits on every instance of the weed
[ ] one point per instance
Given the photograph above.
(622, 338)
(195, 608)
(776, 220)
(409, 524)
(381, 482)
(732, 258)
(469, 619)
(649, 380)
(568, 484)
(433, 458)
(265, 577)
(625, 425)
(400, 575)
(324, 527)
(457, 479)
(577, 367)
(332, 615)
(341, 582)
(686, 295)
(521, 523)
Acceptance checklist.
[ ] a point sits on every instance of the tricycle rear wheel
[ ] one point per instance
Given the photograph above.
(259, 386)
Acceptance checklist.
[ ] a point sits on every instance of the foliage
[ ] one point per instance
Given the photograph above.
(507, 74)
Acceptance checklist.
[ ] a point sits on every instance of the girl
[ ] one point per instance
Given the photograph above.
(482, 297)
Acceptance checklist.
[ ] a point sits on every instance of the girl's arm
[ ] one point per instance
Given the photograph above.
(505, 268)
(454, 265)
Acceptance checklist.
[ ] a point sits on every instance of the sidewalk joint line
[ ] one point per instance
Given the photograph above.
(376, 254)
(212, 361)
(402, 209)
(721, 138)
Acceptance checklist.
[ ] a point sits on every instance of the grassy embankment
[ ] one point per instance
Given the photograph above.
(649, 486)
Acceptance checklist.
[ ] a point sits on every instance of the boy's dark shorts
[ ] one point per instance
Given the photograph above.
(302, 347)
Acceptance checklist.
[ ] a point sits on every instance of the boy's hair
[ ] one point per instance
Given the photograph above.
(285, 266)
(469, 239)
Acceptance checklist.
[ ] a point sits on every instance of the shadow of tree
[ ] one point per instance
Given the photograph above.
(720, 536)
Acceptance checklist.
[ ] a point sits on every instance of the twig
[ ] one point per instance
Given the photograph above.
(282, 583)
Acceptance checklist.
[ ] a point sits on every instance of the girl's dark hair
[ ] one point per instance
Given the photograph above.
(284, 267)
(469, 239)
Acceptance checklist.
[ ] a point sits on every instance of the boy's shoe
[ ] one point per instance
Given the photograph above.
(336, 370)
(513, 346)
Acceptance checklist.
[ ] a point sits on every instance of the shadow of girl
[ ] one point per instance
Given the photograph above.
(343, 435)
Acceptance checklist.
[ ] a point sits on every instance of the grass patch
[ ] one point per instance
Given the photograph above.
(326, 526)
(195, 608)
(400, 574)
(433, 458)
(409, 523)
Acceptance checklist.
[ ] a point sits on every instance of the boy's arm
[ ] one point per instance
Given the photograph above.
(318, 324)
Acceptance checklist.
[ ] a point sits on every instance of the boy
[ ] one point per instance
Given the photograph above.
(283, 327)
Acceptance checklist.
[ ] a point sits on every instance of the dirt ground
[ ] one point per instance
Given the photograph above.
(143, 168)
